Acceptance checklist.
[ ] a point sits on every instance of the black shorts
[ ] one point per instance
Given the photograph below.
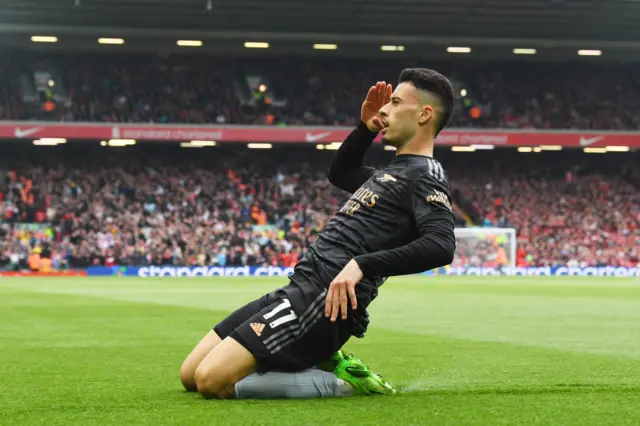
(286, 330)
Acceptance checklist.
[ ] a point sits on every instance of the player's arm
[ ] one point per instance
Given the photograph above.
(347, 170)
(434, 248)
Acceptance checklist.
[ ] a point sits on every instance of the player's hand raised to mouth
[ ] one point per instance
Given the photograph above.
(378, 96)
(343, 290)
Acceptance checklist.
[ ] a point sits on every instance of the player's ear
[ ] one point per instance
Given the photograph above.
(427, 114)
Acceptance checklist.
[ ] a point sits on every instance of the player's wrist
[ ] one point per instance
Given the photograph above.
(362, 264)
(368, 127)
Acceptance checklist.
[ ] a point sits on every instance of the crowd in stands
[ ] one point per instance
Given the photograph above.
(567, 209)
(230, 211)
(314, 91)
(231, 206)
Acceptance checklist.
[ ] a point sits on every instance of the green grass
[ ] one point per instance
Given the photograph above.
(464, 351)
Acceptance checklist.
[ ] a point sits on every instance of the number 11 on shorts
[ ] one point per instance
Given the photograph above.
(283, 319)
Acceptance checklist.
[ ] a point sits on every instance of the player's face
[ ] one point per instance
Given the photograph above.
(407, 111)
(401, 115)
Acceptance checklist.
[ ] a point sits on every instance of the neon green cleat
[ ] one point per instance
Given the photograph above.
(353, 371)
(332, 363)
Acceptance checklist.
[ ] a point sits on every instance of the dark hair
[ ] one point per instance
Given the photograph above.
(434, 83)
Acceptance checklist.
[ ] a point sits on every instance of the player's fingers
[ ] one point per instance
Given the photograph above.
(335, 302)
(344, 300)
(381, 91)
(372, 93)
(328, 301)
(331, 295)
(387, 94)
(352, 295)
(378, 123)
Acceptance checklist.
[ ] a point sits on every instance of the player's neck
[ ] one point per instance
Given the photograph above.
(417, 146)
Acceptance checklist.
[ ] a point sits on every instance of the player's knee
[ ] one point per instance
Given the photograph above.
(187, 376)
(210, 384)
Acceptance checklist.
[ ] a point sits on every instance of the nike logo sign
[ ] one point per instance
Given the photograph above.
(19, 133)
(310, 137)
(589, 141)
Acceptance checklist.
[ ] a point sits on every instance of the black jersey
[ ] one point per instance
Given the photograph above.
(397, 221)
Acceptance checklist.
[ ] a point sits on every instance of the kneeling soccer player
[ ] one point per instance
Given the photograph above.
(398, 221)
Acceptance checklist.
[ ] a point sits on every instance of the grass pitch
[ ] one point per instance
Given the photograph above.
(463, 351)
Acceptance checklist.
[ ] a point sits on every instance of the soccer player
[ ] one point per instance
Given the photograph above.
(398, 221)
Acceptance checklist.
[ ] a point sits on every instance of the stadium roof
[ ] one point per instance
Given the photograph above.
(581, 24)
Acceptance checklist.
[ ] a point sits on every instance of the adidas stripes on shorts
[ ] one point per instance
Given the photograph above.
(286, 330)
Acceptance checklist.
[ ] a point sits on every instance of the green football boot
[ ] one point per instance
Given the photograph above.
(353, 371)
(332, 363)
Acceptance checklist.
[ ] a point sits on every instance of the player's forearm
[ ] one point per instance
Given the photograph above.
(427, 252)
(347, 165)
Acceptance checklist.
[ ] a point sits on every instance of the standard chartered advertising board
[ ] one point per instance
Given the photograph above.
(276, 271)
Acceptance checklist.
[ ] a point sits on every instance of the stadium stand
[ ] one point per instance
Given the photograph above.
(159, 205)
(319, 91)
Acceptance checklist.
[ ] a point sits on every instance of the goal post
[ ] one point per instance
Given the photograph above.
(485, 248)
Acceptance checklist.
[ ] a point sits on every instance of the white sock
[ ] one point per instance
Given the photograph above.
(304, 384)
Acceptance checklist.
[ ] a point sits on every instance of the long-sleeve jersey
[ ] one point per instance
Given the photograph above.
(398, 220)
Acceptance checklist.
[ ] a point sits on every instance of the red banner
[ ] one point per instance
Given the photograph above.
(185, 133)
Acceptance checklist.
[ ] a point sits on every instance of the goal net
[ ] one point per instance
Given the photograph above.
(485, 249)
